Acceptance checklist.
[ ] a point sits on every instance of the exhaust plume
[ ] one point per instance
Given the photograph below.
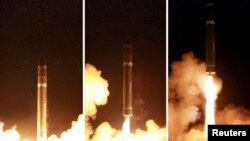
(9, 134)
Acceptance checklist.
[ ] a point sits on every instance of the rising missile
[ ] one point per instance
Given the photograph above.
(127, 81)
(42, 101)
(210, 39)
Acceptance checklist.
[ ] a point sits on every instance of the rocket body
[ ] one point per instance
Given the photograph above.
(42, 101)
(210, 39)
(127, 81)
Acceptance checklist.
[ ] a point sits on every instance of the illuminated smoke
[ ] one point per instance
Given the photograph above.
(186, 100)
(95, 91)
(96, 94)
(232, 114)
(211, 95)
(105, 132)
(186, 84)
(8, 135)
(75, 133)
(153, 133)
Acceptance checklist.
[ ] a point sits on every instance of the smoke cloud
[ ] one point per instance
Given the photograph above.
(9, 134)
(95, 94)
(186, 101)
(95, 91)
(232, 114)
(75, 133)
(185, 87)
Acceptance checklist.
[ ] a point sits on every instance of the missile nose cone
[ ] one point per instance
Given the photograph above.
(42, 61)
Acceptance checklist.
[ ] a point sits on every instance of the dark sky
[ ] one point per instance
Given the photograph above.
(29, 29)
(109, 25)
(187, 33)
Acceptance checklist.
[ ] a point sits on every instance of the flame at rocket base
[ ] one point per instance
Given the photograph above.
(127, 81)
(42, 101)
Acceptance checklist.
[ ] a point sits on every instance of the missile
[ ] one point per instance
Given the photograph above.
(210, 39)
(127, 81)
(42, 101)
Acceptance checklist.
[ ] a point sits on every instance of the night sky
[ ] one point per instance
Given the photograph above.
(187, 33)
(30, 29)
(142, 23)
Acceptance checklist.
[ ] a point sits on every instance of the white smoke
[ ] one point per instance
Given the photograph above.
(232, 114)
(75, 133)
(9, 134)
(185, 87)
(95, 91)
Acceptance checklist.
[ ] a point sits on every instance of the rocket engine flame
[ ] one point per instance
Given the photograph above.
(126, 129)
(211, 95)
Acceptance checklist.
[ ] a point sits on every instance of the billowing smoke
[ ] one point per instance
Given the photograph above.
(96, 94)
(75, 133)
(9, 134)
(186, 101)
(95, 91)
(233, 115)
(185, 87)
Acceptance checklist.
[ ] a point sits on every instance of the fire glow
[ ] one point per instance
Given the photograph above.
(126, 129)
(211, 95)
